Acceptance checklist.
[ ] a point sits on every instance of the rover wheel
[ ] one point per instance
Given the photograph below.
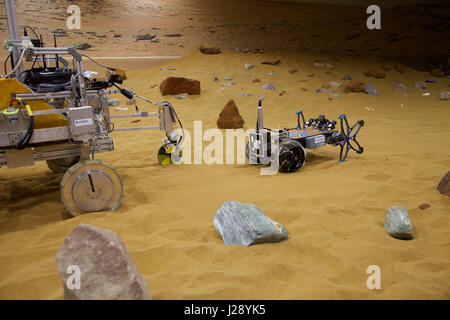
(291, 156)
(63, 164)
(91, 186)
(169, 153)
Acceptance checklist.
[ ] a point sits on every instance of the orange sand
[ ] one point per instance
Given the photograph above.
(334, 212)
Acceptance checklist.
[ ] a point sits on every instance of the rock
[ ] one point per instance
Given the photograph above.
(347, 77)
(256, 80)
(267, 86)
(107, 271)
(420, 85)
(352, 36)
(145, 37)
(401, 68)
(438, 73)
(431, 81)
(228, 78)
(323, 90)
(424, 206)
(183, 96)
(444, 186)
(60, 32)
(245, 224)
(444, 95)
(400, 86)
(329, 66)
(335, 84)
(117, 36)
(230, 117)
(271, 74)
(398, 224)
(318, 64)
(292, 71)
(209, 49)
(248, 66)
(174, 35)
(354, 86)
(337, 95)
(375, 73)
(81, 46)
(100, 35)
(174, 85)
(282, 93)
(273, 63)
(370, 90)
(229, 84)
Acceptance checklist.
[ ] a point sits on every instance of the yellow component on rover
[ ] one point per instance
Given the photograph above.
(11, 86)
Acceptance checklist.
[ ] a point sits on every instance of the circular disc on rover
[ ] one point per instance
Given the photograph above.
(169, 154)
(291, 156)
(91, 186)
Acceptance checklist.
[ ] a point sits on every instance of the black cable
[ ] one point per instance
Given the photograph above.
(99, 64)
(31, 28)
(6, 61)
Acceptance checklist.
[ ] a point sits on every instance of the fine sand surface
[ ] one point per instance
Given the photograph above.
(334, 212)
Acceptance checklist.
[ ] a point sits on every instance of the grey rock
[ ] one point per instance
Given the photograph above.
(335, 84)
(117, 36)
(228, 78)
(398, 224)
(370, 90)
(329, 66)
(323, 90)
(229, 84)
(174, 35)
(271, 74)
(420, 85)
(81, 46)
(431, 80)
(100, 35)
(347, 77)
(337, 95)
(249, 66)
(145, 37)
(400, 86)
(444, 95)
(107, 271)
(268, 86)
(246, 224)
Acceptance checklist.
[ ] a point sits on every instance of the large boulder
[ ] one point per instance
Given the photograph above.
(209, 49)
(230, 117)
(398, 224)
(444, 185)
(106, 269)
(175, 85)
(245, 224)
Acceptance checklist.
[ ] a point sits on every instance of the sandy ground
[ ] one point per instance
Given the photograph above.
(334, 212)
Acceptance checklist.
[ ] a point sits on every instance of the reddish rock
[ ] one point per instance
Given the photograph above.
(438, 73)
(375, 73)
(401, 68)
(424, 206)
(230, 117)
(256, 80)
(173, 85)
(444, 185)
(105, 268)
(272, 63)
(354, 86)
(293, 70)
(209, 49)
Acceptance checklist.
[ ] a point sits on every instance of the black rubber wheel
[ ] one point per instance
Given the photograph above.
(63, 164)
(165, 158)
(291, 156)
